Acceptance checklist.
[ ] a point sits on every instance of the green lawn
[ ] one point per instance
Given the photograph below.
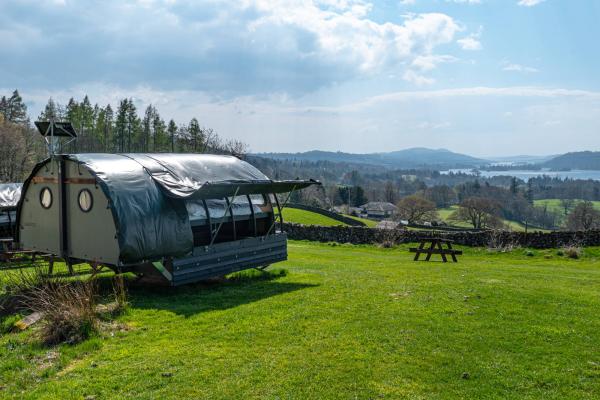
(298, 216)
(347, 322)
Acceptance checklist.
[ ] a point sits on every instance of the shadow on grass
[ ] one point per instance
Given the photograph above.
(192, 299)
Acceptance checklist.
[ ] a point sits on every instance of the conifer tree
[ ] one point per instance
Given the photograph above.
(172, 130)
(14, 109)
(194, 131)
(52, 110)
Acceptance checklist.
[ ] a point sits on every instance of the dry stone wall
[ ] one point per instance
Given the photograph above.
(363, 235)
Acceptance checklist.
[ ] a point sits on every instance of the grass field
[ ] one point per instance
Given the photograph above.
(368, 222)
(304, 217)
(445, 214)
(554, 206)
(346, 322)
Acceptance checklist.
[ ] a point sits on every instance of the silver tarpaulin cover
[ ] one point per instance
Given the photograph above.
(147, 194)
(10, 193)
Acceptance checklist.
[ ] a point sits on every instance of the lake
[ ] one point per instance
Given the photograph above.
(525, 175)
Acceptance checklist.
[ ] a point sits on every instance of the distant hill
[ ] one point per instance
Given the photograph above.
(402, 159)
(523, 159)
(588, 160)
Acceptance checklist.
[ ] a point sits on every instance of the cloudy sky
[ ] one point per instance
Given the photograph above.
(485, 77)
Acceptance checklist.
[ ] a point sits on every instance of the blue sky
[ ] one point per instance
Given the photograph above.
(485, 77)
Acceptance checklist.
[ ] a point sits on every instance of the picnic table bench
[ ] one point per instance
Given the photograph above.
(435, 247)
(11, 255)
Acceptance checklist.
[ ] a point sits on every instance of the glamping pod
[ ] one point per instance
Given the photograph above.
(171, 218)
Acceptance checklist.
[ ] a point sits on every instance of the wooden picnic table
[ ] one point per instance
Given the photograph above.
(435, 247)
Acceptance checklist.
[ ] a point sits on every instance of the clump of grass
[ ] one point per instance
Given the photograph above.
(529, 253)
(500, 244)
(572, 251)
(68, 309)
(120, 292)
(18, 285)
(386, 244)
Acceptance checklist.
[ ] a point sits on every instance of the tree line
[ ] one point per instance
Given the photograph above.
(104, 129)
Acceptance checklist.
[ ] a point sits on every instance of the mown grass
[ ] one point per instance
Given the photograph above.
(304, 217)
(344, 322)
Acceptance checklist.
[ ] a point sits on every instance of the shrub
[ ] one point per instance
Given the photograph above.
(573, 252)
(68, 308)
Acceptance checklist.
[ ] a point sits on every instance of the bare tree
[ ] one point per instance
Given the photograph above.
(390, 192)
(15, 150)
(584, 217)
(480, 212)
(416, 209)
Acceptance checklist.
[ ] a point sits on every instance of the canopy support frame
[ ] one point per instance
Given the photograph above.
(280, 208)
(229, 204)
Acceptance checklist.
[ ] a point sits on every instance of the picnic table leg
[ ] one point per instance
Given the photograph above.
(430, 248)
(452, 253)
(439, 246)
(421, 245)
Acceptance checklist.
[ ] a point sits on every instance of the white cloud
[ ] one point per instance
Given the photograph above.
(530, 3)
(430, 62)
(518, 68)
(417, 79)
(250, 46)
(472, 119)
(469, 43)
(472, 41)
(407, 2)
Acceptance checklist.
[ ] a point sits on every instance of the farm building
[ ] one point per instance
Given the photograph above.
(171, 218)
(377, 210)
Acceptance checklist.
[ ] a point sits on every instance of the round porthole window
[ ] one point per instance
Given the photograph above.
(46, 198)
(85, 200)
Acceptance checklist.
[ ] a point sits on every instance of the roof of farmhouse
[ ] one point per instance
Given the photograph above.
(379, 206)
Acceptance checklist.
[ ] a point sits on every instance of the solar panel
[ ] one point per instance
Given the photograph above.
(61, 129)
